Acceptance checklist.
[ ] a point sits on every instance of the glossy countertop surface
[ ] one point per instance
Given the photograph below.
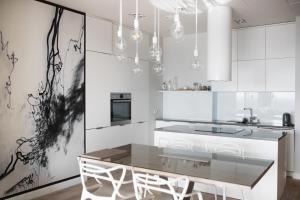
(258, 134)
(196, 165)
(233, 123)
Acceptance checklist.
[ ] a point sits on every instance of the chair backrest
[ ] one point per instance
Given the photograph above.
(230, 149)
(98, 173)
(148, 183)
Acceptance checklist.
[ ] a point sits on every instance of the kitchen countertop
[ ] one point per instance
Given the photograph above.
(257, 134)
(233, 123)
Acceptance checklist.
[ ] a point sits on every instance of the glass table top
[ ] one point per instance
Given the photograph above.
(223, 168)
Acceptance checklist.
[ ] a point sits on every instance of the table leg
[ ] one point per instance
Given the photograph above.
(190, 190)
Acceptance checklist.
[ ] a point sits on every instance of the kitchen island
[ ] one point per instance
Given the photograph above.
(262, 144)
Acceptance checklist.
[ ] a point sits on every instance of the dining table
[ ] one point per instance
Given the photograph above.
(222, 170)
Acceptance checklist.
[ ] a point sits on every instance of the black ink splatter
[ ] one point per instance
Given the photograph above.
(51, 110)
(13, 60)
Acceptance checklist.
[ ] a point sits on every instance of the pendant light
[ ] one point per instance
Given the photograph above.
(136, 34)
(153, 48)
(196, 62)
(137, 69)
(157, 66)
(177, 30)
(120, 41)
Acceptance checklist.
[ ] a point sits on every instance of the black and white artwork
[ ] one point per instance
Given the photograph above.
(42, 94)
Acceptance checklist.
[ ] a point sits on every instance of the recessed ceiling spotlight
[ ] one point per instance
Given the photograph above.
(240, 21)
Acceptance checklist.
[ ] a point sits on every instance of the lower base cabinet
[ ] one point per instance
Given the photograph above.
(274, 180)
(117, 136)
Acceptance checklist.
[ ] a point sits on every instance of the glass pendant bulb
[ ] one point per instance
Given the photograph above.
(153, 48)
(177, 30)
(136, 34)
(157, 67)
(137, 69)
(120, 41)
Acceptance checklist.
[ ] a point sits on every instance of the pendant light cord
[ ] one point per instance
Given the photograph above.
(158, 39)
(121, 16)
(196, 21)
(137, 9)
(155, 24)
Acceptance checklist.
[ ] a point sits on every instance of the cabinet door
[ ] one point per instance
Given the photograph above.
(104, 74)
(228, 85)
(251, 43)
(280, 74)
(234, 45)
(251, 75)
(98, 35)
(280, 40)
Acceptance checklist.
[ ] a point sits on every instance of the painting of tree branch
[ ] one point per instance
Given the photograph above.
(42, 94)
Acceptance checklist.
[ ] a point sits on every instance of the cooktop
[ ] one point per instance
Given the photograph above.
(218, 129)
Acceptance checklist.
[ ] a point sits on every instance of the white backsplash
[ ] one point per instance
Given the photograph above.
(267, 106)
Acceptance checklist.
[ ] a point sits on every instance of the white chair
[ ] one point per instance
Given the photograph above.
(108, 184)
(148, 186)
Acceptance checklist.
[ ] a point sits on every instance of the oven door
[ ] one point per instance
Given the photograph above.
(120, 111)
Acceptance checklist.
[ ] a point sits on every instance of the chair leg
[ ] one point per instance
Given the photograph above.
(82, 196)
(224, 193)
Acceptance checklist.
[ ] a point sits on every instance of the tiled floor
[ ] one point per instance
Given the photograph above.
(292, 192)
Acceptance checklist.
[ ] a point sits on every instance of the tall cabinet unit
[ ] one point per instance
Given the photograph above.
(106, 74)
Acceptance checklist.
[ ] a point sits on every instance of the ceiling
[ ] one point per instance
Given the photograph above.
(254, 12)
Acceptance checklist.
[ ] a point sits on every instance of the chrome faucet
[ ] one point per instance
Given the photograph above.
(252, 118)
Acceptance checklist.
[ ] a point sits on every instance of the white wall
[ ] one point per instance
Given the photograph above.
(178, 57)
(297, 101)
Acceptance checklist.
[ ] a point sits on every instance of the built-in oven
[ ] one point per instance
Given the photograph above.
(120, 108)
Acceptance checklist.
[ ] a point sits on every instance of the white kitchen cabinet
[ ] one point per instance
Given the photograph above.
(280, 74)
(115, 136)
(251, 43)
(105, 74)
(131, 45)
(273, 180)
(251, 75)
(234, 45)
(227, 85)
(98, 35)
(280, 41)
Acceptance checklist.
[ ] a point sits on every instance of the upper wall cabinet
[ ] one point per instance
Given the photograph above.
(251, 75)
(251, 43)
(234, 45)
(131, 45)
(280, 74)
(280, 41)
(98, 35)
